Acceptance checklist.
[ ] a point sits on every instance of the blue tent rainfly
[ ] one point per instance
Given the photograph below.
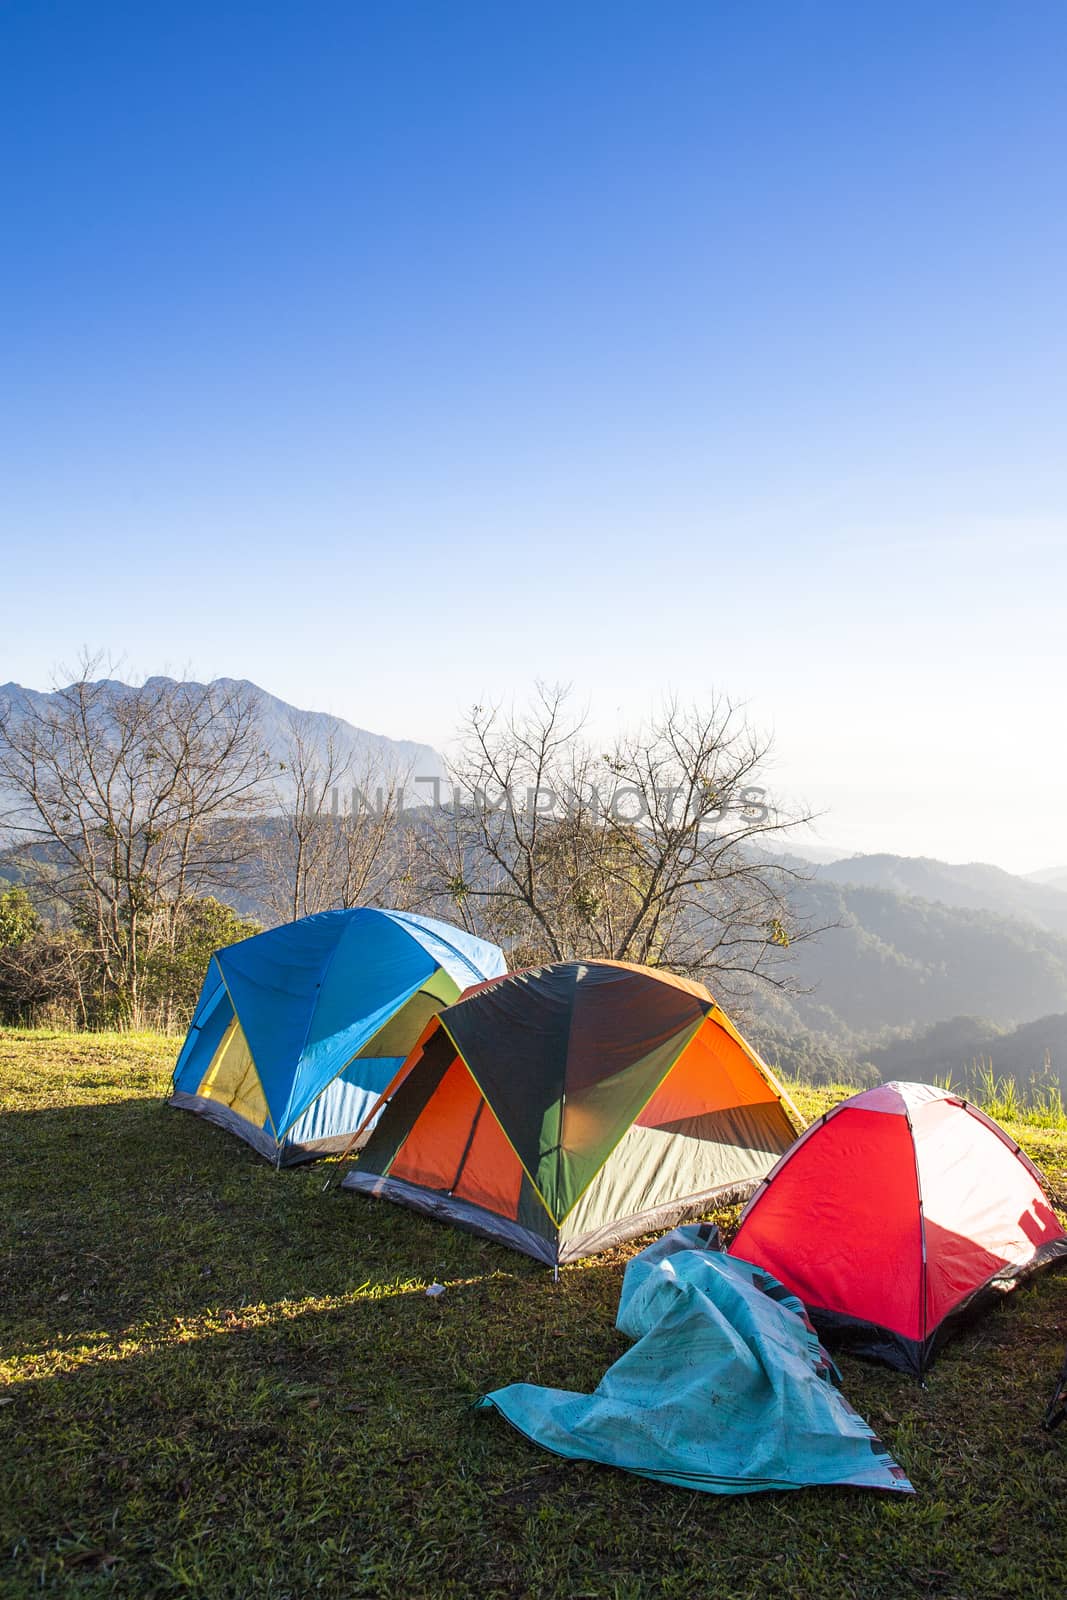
(298, 1030)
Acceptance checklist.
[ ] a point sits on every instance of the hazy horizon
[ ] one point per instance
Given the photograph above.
(837, 832)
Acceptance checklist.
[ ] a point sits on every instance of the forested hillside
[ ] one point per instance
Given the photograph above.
(892, 960)
(900, 987)
(970, 1050)
(232, 802)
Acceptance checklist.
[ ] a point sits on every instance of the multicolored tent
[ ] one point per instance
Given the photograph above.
(299, 1029)
(901, 1212)
(563, 1109)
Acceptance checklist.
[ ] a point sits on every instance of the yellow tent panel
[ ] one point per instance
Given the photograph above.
(232, 1079)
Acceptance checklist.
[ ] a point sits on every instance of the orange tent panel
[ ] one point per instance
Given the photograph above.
(713, 1073)
(433, 1150)
(492, 1173)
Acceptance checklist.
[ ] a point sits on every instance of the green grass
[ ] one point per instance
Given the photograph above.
(223, 1381)
(1037, 1105)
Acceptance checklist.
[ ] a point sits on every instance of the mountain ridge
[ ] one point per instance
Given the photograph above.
(974, 885)
(373, 757)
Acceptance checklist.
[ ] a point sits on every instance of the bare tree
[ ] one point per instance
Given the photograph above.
(125, 803)
(294, 857)
(335, 838)
(652, 852)
(371, 848)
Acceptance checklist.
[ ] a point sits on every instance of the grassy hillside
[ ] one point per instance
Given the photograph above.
(222, 1381)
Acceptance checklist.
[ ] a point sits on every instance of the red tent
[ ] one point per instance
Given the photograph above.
(895, 1215)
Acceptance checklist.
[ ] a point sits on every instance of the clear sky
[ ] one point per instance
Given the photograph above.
(394, 355)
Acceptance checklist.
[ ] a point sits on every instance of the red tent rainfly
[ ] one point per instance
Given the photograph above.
(898, 1214)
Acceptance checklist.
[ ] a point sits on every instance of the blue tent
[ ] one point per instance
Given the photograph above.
(298, 1030)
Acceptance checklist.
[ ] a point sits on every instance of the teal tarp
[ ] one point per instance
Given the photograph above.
(727, 1388)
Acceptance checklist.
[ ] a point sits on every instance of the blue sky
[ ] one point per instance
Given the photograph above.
(395, 355)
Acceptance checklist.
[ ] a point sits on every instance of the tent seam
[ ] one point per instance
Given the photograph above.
(496, 1119)
(633, 1120)
(394, 915)
(353, 1057)
(255, 1063)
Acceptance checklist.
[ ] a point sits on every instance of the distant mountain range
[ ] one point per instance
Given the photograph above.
(897, 961)
(1054, 877)
(923, 967)
(373, 758)
(963, 1048)
(974, 887)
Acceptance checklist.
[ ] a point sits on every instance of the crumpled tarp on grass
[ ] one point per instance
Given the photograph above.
(727, 1388)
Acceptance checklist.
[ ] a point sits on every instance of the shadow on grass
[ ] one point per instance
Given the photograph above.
(334, 1445)
(229, 1382)
(249, 1434)
(132, 1212)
